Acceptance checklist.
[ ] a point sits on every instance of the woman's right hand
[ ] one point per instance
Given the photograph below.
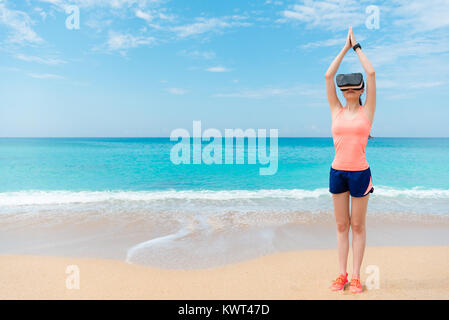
(348, 39)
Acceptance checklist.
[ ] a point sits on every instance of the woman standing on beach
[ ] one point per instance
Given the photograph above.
(350, 175)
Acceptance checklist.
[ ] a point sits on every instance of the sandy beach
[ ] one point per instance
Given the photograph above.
(404, 273)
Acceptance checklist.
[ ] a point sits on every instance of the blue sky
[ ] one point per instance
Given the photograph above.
(146, 67)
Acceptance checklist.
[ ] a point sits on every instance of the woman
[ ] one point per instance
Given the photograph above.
(350, 175)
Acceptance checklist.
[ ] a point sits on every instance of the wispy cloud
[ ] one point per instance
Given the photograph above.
(431, 84)
(45, 76)
(177, 91)
(407, 84)
(198, 54)
(122, 42)
(47, 61)
(102, 15)
(19, 25)
(107, 11)
(324, 43)
(329, 14)
(335, 15)
(41, 12)
(154, 14)
(274, 2)
(328, 43)
(421, 16)
(205, 25)
(218, 69)
(144, 15)
(116, 4)
(267, 92)
(406, 47)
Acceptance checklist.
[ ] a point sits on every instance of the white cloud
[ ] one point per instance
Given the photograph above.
(117, 4)
(329, 14)
(198, 54)
(41, 12)
(407, 84)
(103, 15)
(421, 16)
(217, 69)
(328, 43)
(204, 25)
(177, 91)
(163, 16)
(122, 42)
(415, 15)
(391, 51)
(19, 24)
(267, 92)
(98, 23)
(386, 83)
(431, 84)
(45, 76)
(418, 73)
(144, 15)
(106, 11)
(276, 3)
(150, 15)
(48, 61)
(324, 43)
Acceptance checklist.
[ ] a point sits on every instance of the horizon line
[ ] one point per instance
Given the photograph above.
(167, 137)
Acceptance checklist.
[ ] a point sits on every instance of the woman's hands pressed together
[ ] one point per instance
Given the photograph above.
(348, 44)
(352, 37)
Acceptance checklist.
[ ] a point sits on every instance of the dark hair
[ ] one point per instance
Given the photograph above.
(360, 97)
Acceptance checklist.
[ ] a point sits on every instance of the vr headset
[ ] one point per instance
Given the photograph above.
(352, 81)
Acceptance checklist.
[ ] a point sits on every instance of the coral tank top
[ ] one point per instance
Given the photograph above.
(350, 139)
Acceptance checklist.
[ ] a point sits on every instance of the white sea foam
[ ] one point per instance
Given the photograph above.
(24, 198)
(416, 192)
(65, 197)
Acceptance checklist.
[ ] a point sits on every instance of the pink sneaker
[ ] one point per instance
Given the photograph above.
(339, 283)
(356, 285)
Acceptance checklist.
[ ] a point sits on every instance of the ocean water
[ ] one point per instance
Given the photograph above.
(82, 196)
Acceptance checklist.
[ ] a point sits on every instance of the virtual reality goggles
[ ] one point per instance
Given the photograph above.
(352, 81)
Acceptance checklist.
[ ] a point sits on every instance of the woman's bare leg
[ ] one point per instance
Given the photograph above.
(341, 210)
(359, 206)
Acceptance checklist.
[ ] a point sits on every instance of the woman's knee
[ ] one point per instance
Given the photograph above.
(343, 227)
(357, 227)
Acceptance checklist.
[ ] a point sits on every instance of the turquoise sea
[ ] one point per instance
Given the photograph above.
(98, 189)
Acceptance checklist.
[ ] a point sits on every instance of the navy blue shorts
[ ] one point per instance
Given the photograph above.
(358, 183)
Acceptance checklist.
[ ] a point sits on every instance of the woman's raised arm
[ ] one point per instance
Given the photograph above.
(370, 103)
(332, 97)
